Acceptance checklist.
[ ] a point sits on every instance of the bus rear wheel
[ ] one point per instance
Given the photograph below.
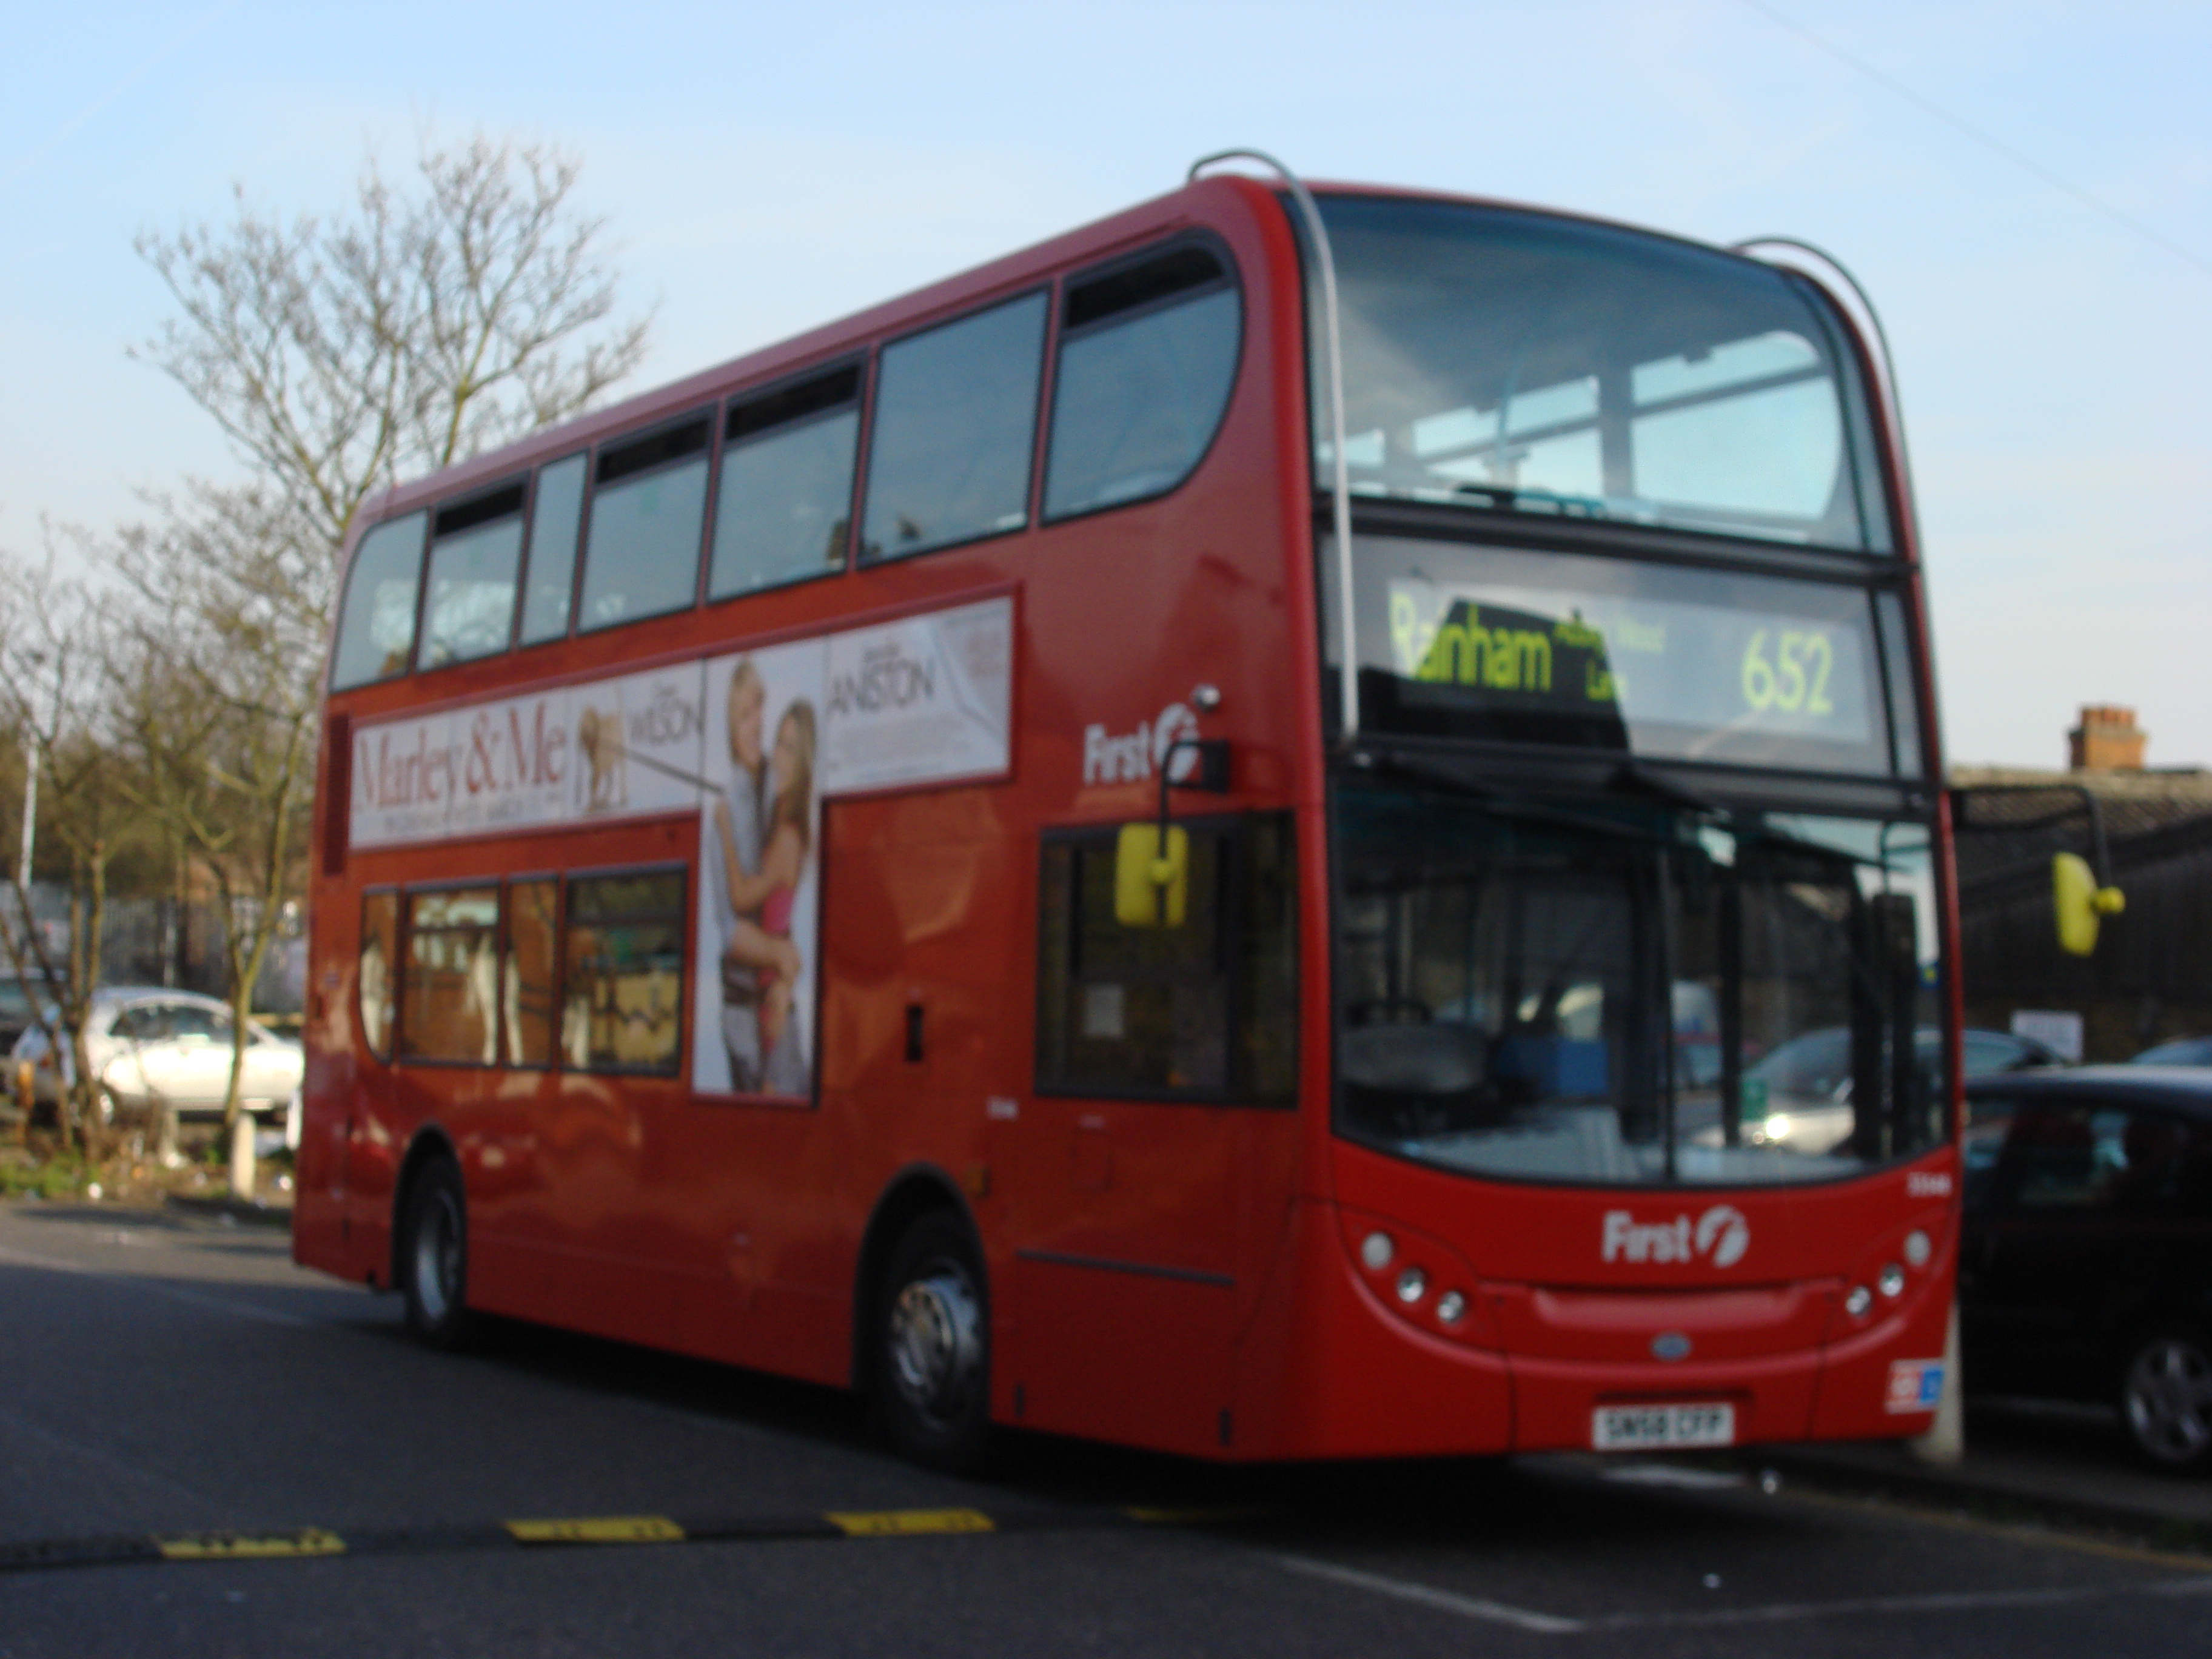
(932, 1370)
(434, 1254)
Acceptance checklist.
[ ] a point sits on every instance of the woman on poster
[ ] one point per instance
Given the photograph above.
(761, 966)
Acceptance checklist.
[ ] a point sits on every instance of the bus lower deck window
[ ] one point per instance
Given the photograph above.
(449, 996)
(622, 1008)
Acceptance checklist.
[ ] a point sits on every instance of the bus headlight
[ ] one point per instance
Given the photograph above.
(1375, 1250)
(1917, 1249)
(1857, 1304)
(1413, 1286)
(1891, 1282)
(1452, 1307)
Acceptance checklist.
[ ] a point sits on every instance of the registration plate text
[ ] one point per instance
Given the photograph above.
(1638, 1428)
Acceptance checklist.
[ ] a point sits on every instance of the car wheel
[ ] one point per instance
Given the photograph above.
(2165, 1398)
(932, 1369)
(434, 1254)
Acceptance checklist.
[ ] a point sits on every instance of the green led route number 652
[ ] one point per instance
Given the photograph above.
(1794, 679)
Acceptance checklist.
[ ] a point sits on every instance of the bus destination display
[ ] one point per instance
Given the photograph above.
(1614, 666)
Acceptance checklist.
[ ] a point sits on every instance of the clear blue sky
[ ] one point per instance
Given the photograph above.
(769, 167)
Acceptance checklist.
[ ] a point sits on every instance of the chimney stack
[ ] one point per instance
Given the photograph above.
(2106, 740)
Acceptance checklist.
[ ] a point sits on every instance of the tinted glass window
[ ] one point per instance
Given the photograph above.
(1208, 1009)
(450, 991)
(1141, 388)
(2103, 1159)
(787, 492)
(648, 509)
(377, 983)
(555, 515)
(376, 625)
(955, 412)
(2066, 1156)
(1988, 1119)
(476, 548)
(526, 980)
(623, 1007)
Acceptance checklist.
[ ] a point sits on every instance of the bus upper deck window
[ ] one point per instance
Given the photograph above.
(648, 509)
(475, 546)
(1148, 353)
(376, 625)
(556, 516)
(787, 493)
(955, 428)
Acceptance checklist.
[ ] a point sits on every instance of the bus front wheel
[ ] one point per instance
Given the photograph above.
(434, 1254)
(933, 1372)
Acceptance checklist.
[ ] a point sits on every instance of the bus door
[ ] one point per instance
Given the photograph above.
(1139, 1214)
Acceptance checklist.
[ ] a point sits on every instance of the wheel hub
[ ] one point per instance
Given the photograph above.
(2169, 1399)
(937, 1343)
(438, 1257)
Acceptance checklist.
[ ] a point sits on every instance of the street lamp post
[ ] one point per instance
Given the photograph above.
(31, 786)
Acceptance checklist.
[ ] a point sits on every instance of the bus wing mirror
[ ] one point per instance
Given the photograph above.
(2080, 903)
(1151, 876)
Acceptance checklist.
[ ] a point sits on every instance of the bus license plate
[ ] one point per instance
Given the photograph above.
(1641, 1428)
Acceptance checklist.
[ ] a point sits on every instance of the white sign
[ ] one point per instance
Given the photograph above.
(1720, 1235)
(926, 699)
(2056, 1030)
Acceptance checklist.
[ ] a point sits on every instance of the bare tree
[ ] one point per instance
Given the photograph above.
(55, 644)
(219, 713)
(338, 355)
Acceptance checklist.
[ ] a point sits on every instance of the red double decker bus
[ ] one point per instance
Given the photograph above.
(1298, 823)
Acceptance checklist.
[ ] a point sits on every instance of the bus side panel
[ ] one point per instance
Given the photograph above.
(925, 926)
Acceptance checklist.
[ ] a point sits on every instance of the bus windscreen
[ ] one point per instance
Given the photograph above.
(1526, 362)
(1497, 1013)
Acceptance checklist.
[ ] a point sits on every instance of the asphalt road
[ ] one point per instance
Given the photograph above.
(171, 1378)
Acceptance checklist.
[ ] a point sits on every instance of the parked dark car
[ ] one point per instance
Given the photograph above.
(2086, 1267)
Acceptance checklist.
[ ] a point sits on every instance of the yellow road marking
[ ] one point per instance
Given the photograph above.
(249, 1546)
(599, 1529)
(906, 1523)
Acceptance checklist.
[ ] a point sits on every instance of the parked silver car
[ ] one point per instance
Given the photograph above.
(148, 1044)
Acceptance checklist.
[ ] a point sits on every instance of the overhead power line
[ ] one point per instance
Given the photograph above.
(1987, 140)
(146, 67)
